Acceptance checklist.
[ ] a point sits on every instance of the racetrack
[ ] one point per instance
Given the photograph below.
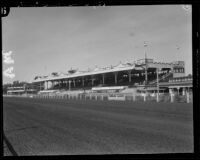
(56, 127)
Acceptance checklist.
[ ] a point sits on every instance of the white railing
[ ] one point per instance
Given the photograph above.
(136, 97)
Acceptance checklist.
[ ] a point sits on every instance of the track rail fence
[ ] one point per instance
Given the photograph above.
(187, 98)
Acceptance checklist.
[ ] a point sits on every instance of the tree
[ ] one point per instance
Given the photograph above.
(5, 87)
(15, 83)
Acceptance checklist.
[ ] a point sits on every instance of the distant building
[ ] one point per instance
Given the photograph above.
(26, 89)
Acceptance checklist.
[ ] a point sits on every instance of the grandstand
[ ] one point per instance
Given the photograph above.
(141, 77)
(141, 72)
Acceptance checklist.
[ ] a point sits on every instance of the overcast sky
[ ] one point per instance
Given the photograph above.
(46, 40)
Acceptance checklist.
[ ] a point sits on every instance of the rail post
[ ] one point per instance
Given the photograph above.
(172, 97)
(133, 97)
(145, 97)
(188, 97)
(157, 97)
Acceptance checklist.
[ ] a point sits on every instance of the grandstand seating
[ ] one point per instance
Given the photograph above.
(164, 77)
(123, 80)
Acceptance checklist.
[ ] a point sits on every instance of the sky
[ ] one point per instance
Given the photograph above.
(55, 39)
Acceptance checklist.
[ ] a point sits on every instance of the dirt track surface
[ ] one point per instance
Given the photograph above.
(68, 127)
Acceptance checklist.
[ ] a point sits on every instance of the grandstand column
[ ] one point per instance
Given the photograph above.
(74, 82)
(52, 84)
(129, 75)
(83, 81)
(62, 83)
(45, 85)
(92, 80)
(56, 83)
(116, 73)
(65, 83)
(59, 82)
(49, 85)
(69, 84)
(146, 76)
(103, 78)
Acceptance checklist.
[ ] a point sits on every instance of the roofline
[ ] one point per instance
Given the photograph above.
(101, 71)
(88, 73)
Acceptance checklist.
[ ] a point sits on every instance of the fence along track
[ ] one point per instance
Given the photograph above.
(188, 98)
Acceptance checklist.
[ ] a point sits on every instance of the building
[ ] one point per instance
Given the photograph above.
(143, 73)
(21, 90)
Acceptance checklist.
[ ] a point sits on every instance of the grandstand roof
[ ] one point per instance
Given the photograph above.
(120, 67)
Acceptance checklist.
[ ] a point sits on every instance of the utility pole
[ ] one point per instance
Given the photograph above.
(157, 97)
(146, 78)
(145, 45)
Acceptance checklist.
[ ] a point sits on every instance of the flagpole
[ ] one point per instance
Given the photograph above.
(146, 78)
(145, 45)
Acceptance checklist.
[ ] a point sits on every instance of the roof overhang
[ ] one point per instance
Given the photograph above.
(89, 73)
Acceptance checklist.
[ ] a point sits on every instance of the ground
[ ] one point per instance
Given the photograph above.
(66, 127)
